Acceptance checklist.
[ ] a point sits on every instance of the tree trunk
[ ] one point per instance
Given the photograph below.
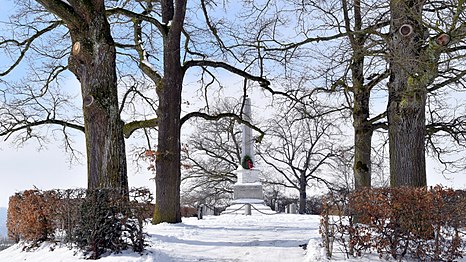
(407, 97)
(302, 194)
(93, 62)
(168, 173)
(362, 152)
(362, 126)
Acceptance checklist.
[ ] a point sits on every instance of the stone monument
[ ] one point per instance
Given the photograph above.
(248, 188)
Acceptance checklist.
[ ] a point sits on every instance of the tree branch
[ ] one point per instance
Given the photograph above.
(63, 123)
(130, 127)
(162, 28)
(206, 63)
(27, 44)
(62, 10)
(220, 116)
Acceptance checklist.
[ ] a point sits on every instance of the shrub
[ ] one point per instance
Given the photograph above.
(30, 216)
(96, 221)
(67, 212)
(141, 209)
(99, 228)
(424, 224)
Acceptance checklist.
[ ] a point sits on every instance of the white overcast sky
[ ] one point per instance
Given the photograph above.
(26, 167)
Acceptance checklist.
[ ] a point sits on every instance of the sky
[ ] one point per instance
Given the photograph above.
(27, 167)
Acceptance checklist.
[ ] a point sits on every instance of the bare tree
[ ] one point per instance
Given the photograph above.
(356, 43)
(346, 35)
(362, 40)
(211, 154)
(158, 30)
(168, 77)
(93, 62)
(300, 148)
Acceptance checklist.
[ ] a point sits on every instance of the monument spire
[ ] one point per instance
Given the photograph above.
(247, 143)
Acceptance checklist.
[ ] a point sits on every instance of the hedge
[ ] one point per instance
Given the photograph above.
(419, 223)
(95, 221)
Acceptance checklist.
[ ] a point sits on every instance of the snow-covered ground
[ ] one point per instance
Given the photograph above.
(226, 238)
(215, 238)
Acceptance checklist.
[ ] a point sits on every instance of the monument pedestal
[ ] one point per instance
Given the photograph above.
(248, 190)
(248, 185)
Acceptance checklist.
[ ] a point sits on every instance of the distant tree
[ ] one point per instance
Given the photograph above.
(299, 149)
(212, 153)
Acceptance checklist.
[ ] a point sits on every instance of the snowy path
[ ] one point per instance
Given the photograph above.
(235, 238)
(271, 238)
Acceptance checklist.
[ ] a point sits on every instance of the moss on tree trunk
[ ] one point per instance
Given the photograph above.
(406, 105)
(93, 63)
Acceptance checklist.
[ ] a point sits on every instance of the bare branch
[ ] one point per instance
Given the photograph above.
(220, 116)
(27, 44)
(27, 126)
(205, 63)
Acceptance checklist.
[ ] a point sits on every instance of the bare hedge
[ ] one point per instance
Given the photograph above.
(96, 221)
(420, 223)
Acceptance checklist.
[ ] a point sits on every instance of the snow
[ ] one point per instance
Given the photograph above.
(225, 238)
(270, 238)
(149, 65)
(66, 2)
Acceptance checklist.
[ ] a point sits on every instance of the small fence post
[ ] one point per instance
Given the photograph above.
(247, 209)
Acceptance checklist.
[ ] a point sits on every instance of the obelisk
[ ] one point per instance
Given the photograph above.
(248, 187)
(247, 142)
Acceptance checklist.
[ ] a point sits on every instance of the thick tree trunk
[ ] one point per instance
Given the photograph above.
(362, 152)
(302, 194)
(362, 126)
(168, 173)
(93, 62)
(407, 96)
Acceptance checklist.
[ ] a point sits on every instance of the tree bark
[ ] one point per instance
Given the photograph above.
(362, 152)
(168, 173)
(362, 127)
(407, 96)
(92, 60)
(302, 194)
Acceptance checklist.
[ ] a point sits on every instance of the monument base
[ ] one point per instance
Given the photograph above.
(248, 185)
(256, 209)
(248, 190)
